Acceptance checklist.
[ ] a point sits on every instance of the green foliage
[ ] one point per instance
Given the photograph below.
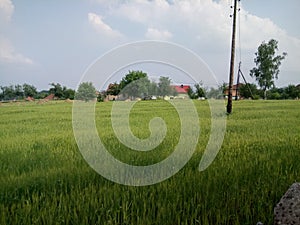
(164, 86)
(68, 93)
(135, 84)
(29, 90)
(8, 92)
(199, 91)
(101, 96)
(17, 92)
(248, 91)
(113, 89)
(153, 88)
(289, 92)
(61, 92)
(56, 89)
(132, 76)
(45, 180)
(86, 92)
(293, 91)
(42, 94)
(216, 93)
(267, 65)
(191, 93)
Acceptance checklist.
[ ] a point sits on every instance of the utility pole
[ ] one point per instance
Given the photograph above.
(231, 72)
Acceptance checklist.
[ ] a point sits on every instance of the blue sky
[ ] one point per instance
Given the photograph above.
(55, 41)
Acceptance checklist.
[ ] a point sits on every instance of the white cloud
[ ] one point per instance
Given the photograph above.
(9, 55)
(6, 9)
(100, 26)
(205, 26)
(153, 33)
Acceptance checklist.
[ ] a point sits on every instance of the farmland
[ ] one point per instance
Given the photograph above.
(45, 180)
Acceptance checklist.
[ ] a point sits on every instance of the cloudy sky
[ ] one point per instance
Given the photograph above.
(55, 41)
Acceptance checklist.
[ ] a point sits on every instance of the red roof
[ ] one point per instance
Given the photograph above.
(49, 97)
(183, 89)
(30, 99)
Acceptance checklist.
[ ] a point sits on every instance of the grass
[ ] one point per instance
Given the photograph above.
(45, 180)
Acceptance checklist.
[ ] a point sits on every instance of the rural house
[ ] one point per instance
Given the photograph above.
(235, 90)
(182, 91)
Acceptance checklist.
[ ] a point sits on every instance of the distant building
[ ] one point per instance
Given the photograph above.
(235, 90)
(112, 92)
(181, 90)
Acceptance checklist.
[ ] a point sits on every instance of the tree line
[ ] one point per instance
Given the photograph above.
(19, 92)
(247, 91)
(252, 91)
(136, 84)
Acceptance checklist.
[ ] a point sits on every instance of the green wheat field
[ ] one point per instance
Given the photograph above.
(45, 180)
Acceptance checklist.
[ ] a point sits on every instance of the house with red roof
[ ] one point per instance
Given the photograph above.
(182, 91)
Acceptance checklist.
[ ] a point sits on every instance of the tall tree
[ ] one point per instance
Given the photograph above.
(132, 76)
(29, 90)
(68, 93)
(164, 86)
(8, 92)
(86, 91)
(153, 88)
(267, 65)
(56, 89)
(200, 90)
(19, 91)
(135, 84)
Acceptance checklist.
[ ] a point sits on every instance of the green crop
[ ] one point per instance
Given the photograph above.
(45, 180)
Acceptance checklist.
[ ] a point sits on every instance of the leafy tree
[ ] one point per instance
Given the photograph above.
(217, 93)
(132, 76)
(113, 89)
(57, 90)
(86, 92)
(292, 91)
(191, 93)
(213, 93)
(248, 90)
(223, 87)
(153, 88)
(42, 94)
(200, 91)
(19, 93)
(267, 65)
(164, 86)
(68, 93)
(101, 96)
(135, 84)
(8, 92)
(29, 90)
